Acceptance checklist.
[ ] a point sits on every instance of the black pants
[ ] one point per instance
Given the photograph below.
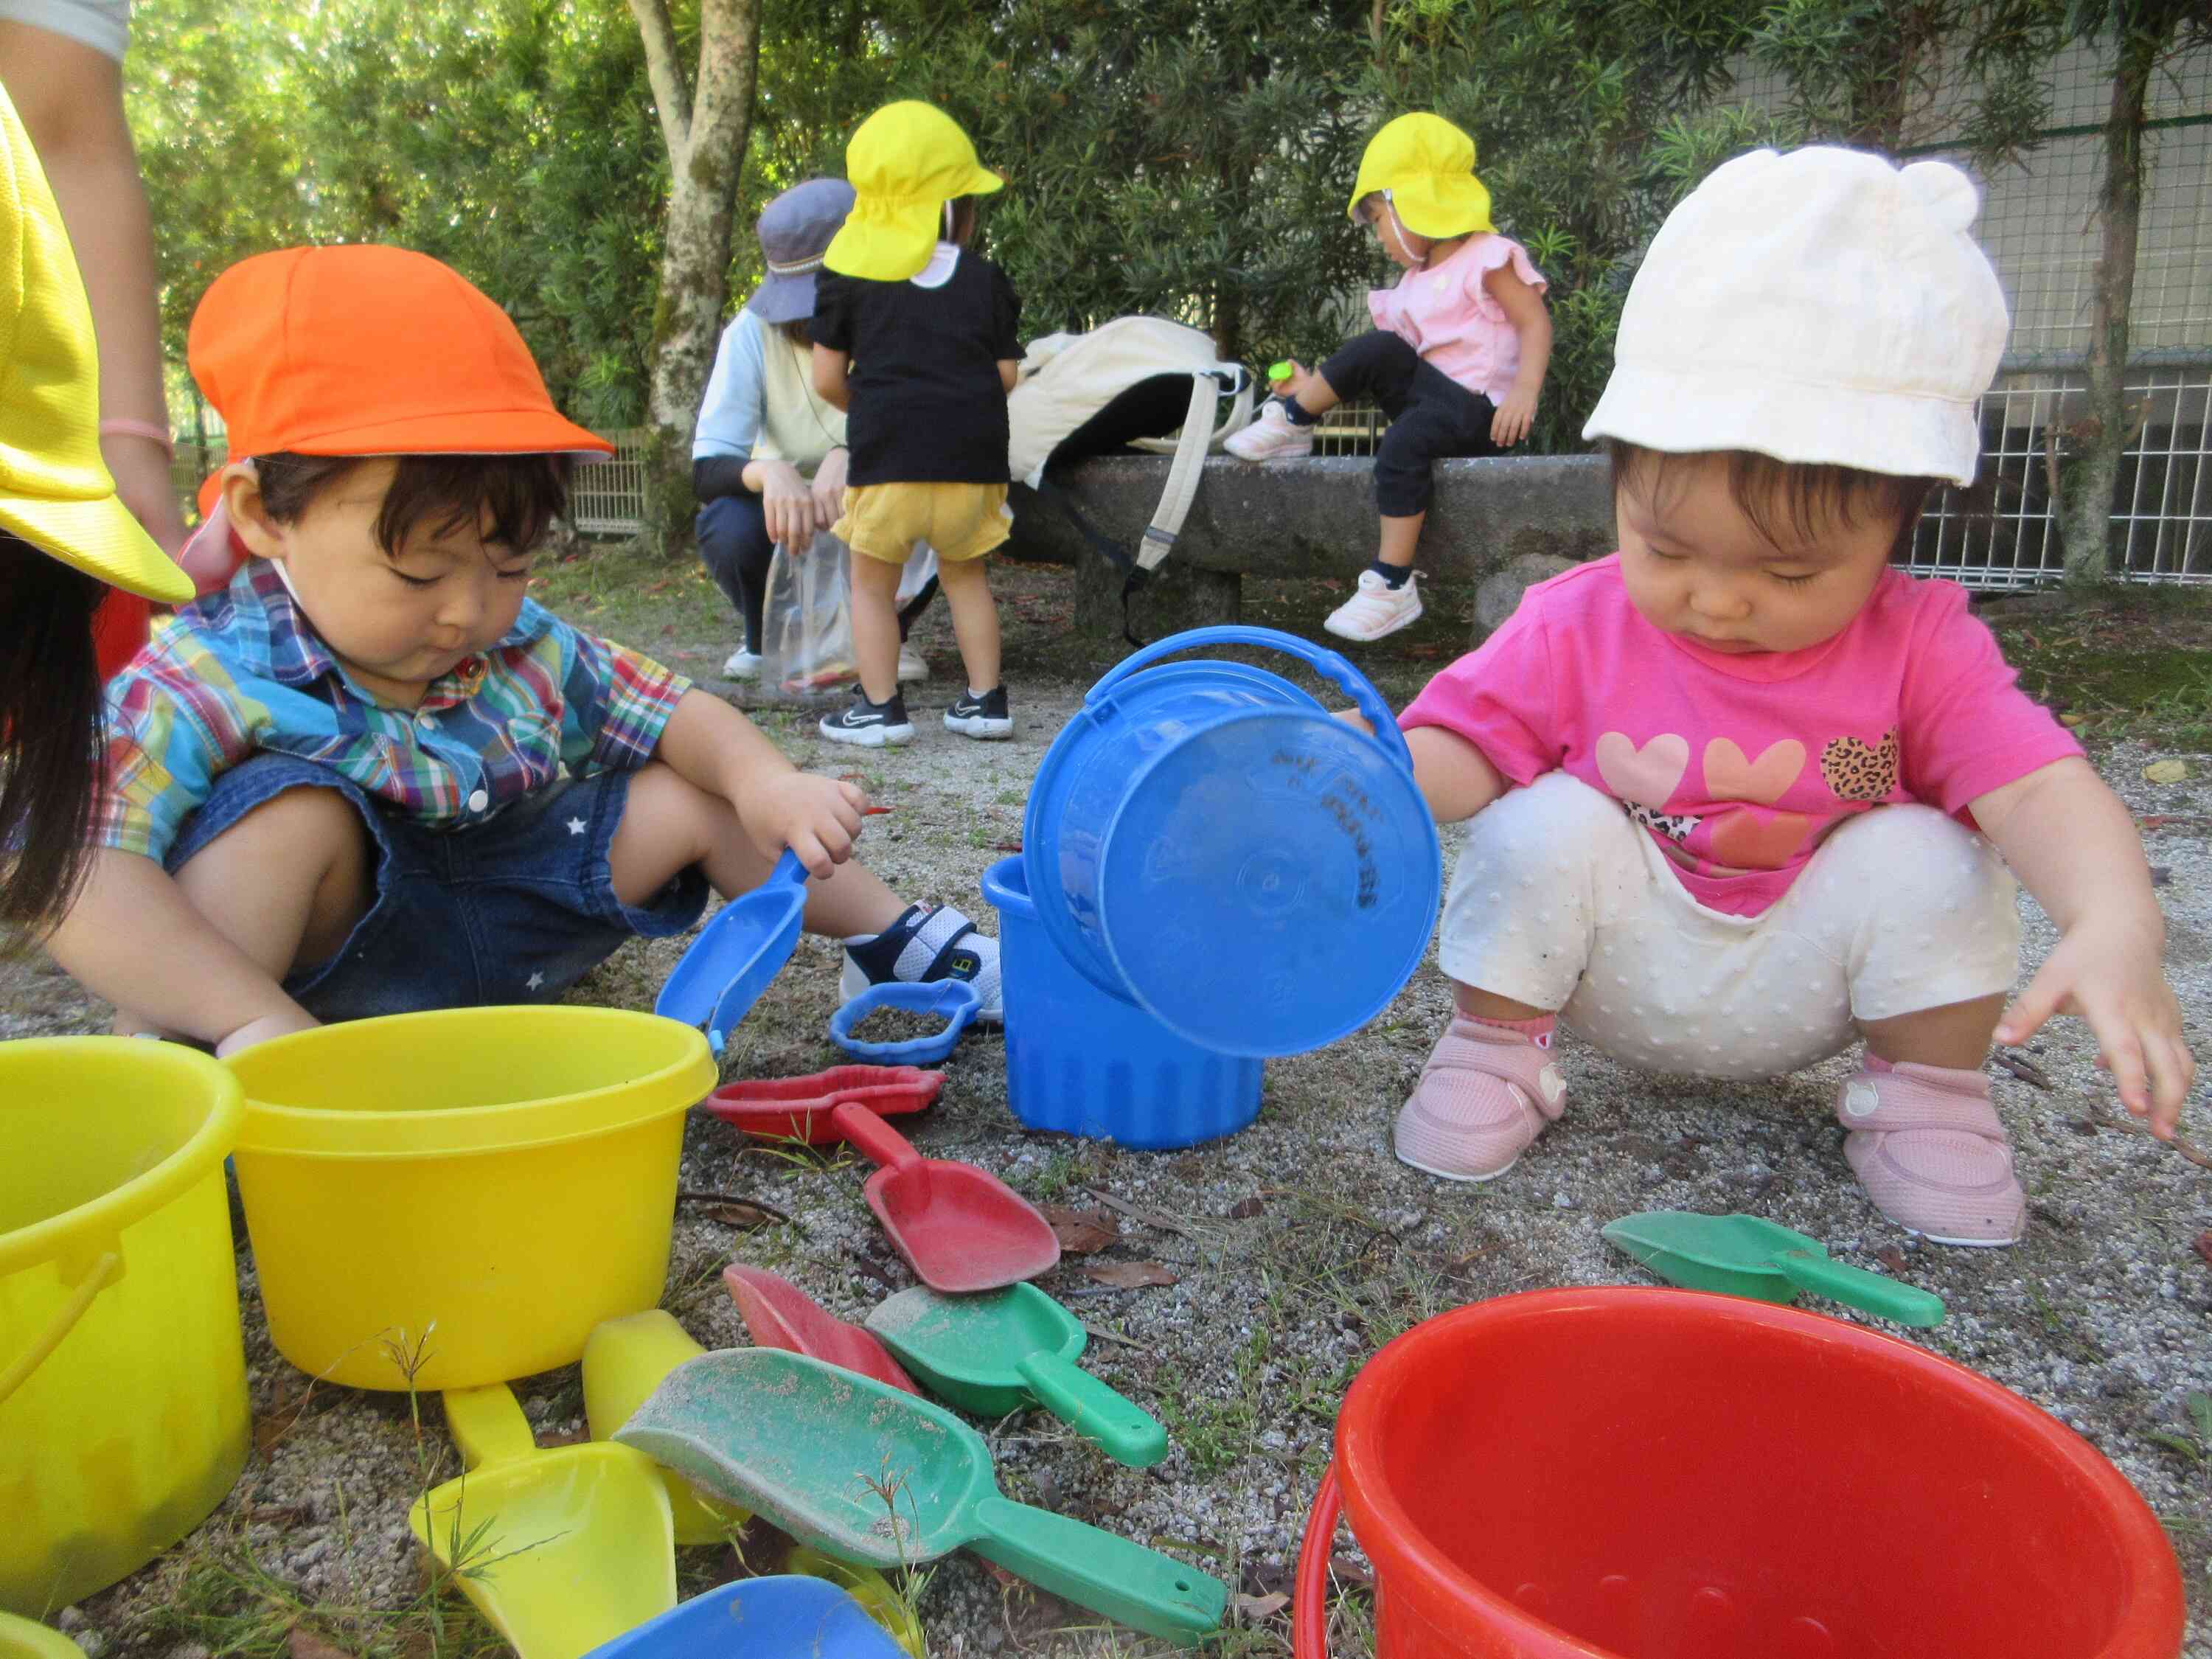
(734, 546)
(1432, 416)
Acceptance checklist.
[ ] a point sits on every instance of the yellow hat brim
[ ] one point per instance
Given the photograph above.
(101, 539)
(888, 239)
(1435, 207)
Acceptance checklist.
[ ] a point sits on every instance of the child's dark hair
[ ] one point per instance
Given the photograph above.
(963, 220)
(524, 493)
(51, 748)
(1789, 498)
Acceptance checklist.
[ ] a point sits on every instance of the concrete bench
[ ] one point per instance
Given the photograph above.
(1308, 518)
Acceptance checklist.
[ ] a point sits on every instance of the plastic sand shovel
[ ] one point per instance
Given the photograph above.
(1746, 1256)
(869, 1474)
(960, 1230)
(560, 1550)
(624, 1361)
(737, 954)
(782, 1618)
(780, 1314)
(1009, 1349)
(802, 1108)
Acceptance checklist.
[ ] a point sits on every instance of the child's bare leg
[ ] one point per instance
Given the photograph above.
(1400, 536)
(975, 619)
(669, 825)
(285, 883)
(1957, 1036)
(1487, 1004)
(875, 625)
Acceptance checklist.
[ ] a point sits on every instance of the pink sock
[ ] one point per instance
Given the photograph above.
(1537, 1030)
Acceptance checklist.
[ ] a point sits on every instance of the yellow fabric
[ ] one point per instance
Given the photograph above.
(796, 425)
(905, 162)
(55, 491)
(1427, 165)
(960, 520)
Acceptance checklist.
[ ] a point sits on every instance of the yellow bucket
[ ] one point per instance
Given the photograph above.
(21, 1640)
(473, 1189)
(123, 1407)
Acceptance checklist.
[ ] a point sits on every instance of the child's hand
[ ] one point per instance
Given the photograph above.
(829, 490)
(1510, 424)
(2109, 974)
(1290, 387)
(816, 817)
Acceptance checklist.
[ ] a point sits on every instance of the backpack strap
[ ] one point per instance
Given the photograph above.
(1189, 464)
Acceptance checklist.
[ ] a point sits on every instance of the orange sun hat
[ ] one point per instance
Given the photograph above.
(368, 350)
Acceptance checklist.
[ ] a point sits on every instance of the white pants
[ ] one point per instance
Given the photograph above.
(1560, 902)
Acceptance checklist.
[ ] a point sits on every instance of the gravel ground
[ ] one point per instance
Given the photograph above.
(1298, 1246)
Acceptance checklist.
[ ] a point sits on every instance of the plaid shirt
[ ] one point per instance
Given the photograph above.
(242, 672)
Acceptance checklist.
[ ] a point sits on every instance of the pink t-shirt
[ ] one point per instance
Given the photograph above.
(1738, 765)
(1447, 315)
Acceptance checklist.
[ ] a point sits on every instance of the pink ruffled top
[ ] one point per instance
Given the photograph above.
(1445, 314)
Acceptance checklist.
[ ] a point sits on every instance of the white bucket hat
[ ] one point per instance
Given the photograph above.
(1820, 307)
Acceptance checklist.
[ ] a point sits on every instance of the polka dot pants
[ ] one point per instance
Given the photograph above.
(1559, 901)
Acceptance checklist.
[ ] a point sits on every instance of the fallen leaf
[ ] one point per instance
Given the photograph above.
(1082, 1232)
(2166, 771)
(565, 1438)
(1245, 1208)
(2025, 1070)
(305, 1645)
(1129, 1275)
(1256, 1609)
(2159, 875)
(661, 586)
(1891, 1257)
(2205, 1246)
(1014, 845)
(2072, 721)
(1349, 1573)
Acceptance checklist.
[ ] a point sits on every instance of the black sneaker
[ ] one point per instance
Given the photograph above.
(928, 942)
(983, 716)
(873, 724)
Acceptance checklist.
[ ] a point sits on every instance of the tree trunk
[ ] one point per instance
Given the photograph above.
(706, 125)
(2092, 472)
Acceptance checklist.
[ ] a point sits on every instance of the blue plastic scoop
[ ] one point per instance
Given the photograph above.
(737, 954)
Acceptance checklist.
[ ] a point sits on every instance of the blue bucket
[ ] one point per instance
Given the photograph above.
(1204, 841)
(762, 1618)
(1085, 1063)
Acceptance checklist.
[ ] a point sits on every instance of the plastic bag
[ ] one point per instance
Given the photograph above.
(807, 630)
(807, 626)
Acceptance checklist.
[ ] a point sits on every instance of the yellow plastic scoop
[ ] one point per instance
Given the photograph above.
(562, 1550)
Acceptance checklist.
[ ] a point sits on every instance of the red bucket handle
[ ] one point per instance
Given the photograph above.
(1310, 1591)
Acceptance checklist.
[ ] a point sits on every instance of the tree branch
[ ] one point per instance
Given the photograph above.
(663, 67)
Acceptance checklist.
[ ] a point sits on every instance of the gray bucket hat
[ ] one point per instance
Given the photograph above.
(795, 229)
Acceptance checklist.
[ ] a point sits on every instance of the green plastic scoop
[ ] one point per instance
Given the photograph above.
(880, 1477)
(1745, 1255)
(1005, 1350)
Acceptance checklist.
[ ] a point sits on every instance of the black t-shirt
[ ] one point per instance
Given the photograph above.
(928, 403)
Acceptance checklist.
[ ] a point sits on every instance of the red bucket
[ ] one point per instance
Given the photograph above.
(1631, 1474)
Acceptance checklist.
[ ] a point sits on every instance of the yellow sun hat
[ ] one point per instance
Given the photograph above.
(1427, 165)
(905, 162)
(55, 491)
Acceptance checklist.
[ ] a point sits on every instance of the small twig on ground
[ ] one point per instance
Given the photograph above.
(2195, 1154)
(2022, 1067)
(1116, 1338)
(1150, 1219)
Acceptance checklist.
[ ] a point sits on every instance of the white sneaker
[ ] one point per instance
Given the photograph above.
(742, 665)
(1378, 608)
(911, 668)
(1270, 438)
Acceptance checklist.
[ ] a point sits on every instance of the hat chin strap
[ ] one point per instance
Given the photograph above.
(948, 222)
(1407, 238)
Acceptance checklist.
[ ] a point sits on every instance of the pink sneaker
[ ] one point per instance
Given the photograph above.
(1486, 1093)
(1926, 1145)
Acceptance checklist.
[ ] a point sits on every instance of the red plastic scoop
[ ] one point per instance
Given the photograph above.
(959, 1229)
(800, 1107)
(782, 1316)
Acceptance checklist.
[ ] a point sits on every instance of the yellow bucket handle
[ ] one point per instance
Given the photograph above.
(105, 1270)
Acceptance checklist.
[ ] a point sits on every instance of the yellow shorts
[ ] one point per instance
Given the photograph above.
(960, 521)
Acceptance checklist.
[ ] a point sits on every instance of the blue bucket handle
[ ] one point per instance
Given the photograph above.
(1330, 664)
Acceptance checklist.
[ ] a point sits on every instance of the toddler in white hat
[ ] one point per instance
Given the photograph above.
(1744, 793)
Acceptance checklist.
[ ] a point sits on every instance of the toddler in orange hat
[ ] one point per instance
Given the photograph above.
(369, 774)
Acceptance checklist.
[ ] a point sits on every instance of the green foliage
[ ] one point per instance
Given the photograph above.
(1190, 158)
